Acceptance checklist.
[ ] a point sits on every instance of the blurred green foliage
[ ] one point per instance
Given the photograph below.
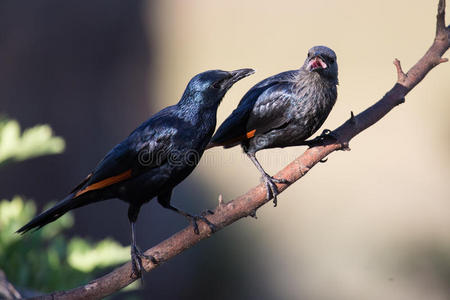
(35, 141)
(45, 260)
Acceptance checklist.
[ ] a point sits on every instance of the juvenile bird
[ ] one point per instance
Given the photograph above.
(282, 110)
(154, 158)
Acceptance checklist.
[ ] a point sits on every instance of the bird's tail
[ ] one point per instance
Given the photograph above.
(53, 213)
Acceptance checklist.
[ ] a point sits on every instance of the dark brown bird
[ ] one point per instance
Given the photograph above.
(282, 110)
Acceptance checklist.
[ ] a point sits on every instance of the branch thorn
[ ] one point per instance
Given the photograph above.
(352, 118)
(221, 200)
(443, 60)
(401, 76)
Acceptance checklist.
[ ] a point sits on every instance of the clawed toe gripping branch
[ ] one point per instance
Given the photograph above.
(248, 203)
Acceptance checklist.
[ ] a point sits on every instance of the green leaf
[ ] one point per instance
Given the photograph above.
(35, 141)
(45, 260)
(87, 257)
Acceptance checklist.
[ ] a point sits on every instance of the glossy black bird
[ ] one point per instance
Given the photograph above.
(282, 110)
(154, 158)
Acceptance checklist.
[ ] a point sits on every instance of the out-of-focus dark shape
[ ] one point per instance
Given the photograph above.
(83, 68)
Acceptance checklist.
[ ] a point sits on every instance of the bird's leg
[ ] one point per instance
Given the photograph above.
(137, 256)
(272, 189)
(194, 218)
(319, 140)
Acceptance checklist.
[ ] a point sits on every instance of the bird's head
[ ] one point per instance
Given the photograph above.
(209, 87)
(322, 60)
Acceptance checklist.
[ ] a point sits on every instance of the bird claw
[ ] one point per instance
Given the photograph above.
(280, 180)
(253, 214)
(271, 187)
(136, 261)
(327, 133)
(207, 212)
(319, 140)
(202, 217)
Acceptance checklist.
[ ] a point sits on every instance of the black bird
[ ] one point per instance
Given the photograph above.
(282, 110)
(154, 158)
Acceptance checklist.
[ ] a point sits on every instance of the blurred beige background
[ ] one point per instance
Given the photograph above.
(372, 223)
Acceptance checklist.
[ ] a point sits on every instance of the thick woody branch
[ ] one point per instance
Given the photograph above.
(247, 204)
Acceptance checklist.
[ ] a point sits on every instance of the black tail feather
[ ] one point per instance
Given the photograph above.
(53, 213)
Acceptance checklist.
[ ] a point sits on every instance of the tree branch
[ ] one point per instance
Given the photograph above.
(247, 204)
(7, 290)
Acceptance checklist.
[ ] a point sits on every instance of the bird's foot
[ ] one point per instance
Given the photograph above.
(207, 212)
(202, 216)
(320, 140)
(326, 134)
(271, 187)
(253, 214)
(136, 261)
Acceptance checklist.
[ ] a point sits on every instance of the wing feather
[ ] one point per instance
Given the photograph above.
(235, 128)
(145, 148)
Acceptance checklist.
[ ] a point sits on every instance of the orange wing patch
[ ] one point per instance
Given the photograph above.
(82, 183)
(250, 134)
(234, 141)
(105, 182)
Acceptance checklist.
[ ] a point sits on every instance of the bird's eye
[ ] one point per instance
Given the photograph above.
(218, 84)
(332, 60)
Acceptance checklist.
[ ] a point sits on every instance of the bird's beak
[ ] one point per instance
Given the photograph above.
(237, 75)
(315, 63)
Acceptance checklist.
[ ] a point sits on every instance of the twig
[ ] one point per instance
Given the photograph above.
(401, 76)
(247, 204)
(7, 290)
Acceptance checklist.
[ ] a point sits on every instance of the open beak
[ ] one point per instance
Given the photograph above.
(316, 63)
(237, 75)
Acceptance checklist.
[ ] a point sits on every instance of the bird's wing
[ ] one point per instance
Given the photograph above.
(271, 111)
(234, 128)
(147, 147)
